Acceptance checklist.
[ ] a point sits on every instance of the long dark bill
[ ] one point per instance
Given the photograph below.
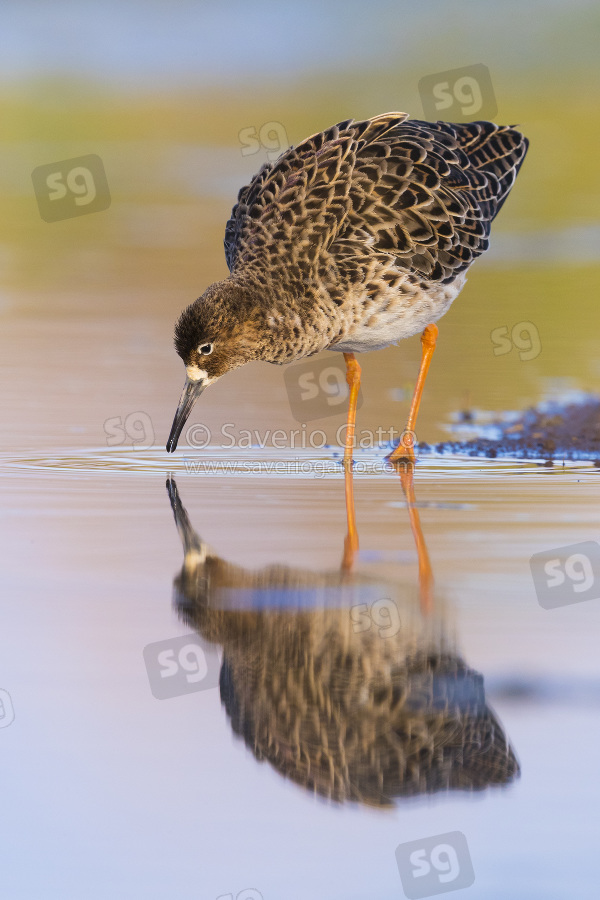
(189, 395)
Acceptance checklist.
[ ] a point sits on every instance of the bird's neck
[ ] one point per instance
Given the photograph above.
(289, 322)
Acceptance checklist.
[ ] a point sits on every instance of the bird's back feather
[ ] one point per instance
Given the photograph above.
(418, 193)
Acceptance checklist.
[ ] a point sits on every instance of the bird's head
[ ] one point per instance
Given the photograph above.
(213, 335)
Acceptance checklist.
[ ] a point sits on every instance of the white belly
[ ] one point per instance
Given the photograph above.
(403, 318)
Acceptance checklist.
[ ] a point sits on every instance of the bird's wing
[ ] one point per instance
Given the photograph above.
(425, 194)
(422, 194)
(302, 199)
(239, 221)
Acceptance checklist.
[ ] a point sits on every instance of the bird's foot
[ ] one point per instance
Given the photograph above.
(403, 455)
(403, 462)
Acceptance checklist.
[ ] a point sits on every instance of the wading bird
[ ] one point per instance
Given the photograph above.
(342, 680)
(358, 237)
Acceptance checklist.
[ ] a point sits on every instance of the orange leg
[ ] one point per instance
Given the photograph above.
(404, 450)
(353, 379)
(425, 571)
(351, 541)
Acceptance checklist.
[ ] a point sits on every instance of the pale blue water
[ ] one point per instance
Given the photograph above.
(108, 791)
(141, 43)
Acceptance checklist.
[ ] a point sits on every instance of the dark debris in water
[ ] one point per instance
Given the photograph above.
(550, 433)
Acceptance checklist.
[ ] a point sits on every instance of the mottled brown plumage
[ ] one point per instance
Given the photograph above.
(351, 713)
(356, 238)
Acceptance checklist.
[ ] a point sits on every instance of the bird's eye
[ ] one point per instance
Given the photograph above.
(205, 349)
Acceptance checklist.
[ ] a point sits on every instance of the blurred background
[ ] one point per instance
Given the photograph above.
(184, 101)
(126, 131)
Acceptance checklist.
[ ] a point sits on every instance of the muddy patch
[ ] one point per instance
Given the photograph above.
(550, 433)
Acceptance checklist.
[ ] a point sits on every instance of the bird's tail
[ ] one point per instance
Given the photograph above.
(496, 150)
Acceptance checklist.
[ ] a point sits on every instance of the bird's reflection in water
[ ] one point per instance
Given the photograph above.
(348, 684)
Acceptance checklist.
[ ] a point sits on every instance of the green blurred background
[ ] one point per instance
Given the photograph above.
(162, 92)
